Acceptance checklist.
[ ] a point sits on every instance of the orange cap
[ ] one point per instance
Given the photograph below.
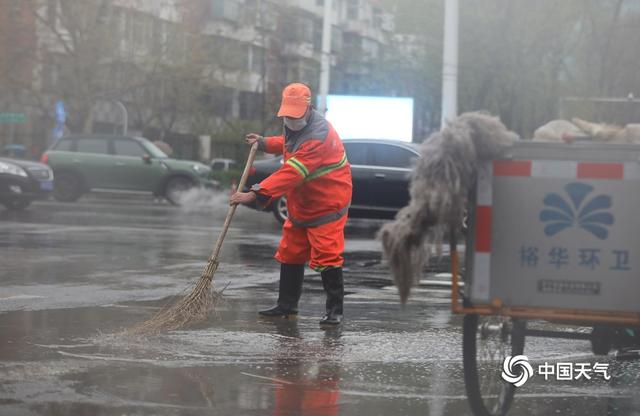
(296, 98)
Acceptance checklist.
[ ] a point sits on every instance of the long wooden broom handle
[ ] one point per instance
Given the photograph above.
(232, 208)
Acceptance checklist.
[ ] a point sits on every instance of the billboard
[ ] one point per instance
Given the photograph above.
(364, 117)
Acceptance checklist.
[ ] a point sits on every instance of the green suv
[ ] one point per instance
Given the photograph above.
(99, 162)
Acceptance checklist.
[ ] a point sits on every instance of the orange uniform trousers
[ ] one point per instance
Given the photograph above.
(321, 246)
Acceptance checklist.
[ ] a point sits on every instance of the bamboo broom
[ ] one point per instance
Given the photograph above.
(196, 305)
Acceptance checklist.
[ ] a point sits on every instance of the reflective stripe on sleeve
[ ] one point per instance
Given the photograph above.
(323, 170)
(297, 165)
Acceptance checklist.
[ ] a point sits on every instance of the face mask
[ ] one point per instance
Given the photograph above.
(295, 124)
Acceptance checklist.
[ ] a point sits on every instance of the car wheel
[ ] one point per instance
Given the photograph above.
(280, 210)
(176, 187)
(67, 187)
(16, 205)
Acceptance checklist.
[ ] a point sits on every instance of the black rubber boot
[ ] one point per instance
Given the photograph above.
(291, 276)
(334, 288)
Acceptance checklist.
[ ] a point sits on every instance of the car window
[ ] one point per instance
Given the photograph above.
(217, 166)
(64, 145)
(128, 148)
(356, 153)
(392, 156)
(93, 146)
(151, 148)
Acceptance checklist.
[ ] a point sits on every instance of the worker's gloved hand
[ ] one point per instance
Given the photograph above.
(242, 198)
(251, 138)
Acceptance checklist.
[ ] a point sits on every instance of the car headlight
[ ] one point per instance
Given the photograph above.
(12, 169)
(201, 170)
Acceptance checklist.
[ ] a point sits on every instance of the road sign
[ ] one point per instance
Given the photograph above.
(13, 118)
(61, 115)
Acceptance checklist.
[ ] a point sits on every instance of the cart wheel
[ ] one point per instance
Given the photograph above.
(487, 341)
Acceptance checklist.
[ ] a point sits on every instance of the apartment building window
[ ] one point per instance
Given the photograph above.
(334, 5)
(256, 59)
(222, 101)
(298, 28)
(268, 18)
(250, 105)
(336, 39)
(317, 35)
(305, 29)
(377, 18)
(225, 9)
(229, 54)
(353, 8)
(370, 48)
(352, 44)
(261, 13)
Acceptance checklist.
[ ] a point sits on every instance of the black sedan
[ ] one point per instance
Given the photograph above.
(380, 171)
(22, 181)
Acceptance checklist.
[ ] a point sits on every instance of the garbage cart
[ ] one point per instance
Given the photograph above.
(553, 234)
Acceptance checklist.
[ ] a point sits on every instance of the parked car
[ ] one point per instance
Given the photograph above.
(22, 182)
(380, 171)
(14, 150)
(222, 165)
(83, 163)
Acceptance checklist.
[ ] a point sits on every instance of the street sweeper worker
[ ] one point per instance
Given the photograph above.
(316, 180)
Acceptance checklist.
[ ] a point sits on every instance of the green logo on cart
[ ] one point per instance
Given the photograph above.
(576, 209)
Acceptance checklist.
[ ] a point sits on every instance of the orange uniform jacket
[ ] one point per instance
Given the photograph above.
(315, 175)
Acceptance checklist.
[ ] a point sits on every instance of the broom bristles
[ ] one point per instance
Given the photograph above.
(191, 308)
(202, 299)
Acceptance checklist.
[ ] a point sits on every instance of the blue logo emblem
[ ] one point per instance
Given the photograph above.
(589, 214)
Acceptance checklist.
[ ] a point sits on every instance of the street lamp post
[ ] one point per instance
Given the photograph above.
(325, 66)
(450, 62)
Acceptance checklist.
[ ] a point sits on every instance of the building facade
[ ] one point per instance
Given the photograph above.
(179, 67)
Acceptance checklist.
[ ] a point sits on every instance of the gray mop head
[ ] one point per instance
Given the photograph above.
(440, 183)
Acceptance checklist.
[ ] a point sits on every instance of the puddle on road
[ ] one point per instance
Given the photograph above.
(58, 355)
(380, 363)
(233, 363)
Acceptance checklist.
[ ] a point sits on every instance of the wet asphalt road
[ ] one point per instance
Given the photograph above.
(73, 275)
